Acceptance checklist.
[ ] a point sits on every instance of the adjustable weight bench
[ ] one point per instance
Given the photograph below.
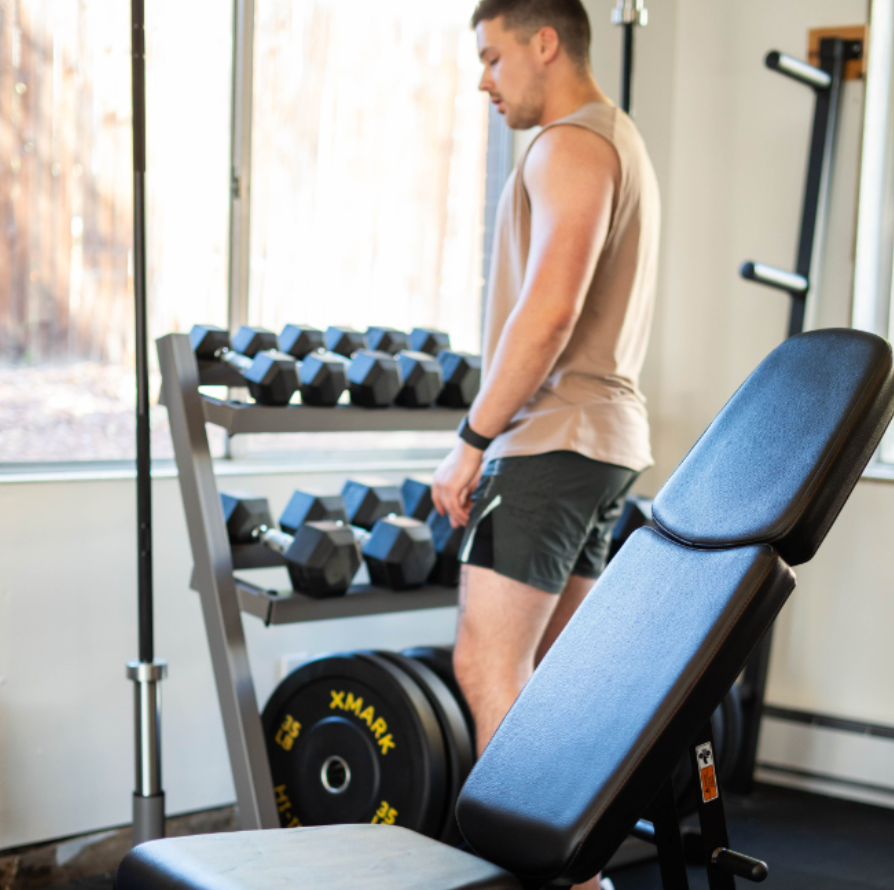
(588, 749)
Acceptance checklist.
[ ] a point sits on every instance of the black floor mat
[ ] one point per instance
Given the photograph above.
(810, 842)
(94, 882)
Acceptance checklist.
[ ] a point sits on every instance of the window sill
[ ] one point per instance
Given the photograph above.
(409, 461)
(879, 472)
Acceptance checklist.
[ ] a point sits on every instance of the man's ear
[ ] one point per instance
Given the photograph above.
(548, 44)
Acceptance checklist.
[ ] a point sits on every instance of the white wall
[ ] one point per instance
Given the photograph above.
(68, 625)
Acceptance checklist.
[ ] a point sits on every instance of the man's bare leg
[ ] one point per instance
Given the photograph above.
(501, 623)
(504, 629)
(570, 598)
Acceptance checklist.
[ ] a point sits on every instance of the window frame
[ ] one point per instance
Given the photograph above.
(873, 286)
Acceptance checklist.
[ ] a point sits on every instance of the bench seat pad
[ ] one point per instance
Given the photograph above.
(334, 857)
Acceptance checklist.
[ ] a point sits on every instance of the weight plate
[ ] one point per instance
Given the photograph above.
(353, 740)
(440, 660)
(457, 738)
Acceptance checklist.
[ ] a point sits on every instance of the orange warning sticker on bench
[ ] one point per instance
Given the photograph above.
(704, 755)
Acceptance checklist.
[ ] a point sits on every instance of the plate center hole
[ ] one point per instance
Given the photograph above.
(335, 774)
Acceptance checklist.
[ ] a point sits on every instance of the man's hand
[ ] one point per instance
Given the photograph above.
(455, 480)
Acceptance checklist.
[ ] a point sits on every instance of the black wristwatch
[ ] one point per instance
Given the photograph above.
(468, 435)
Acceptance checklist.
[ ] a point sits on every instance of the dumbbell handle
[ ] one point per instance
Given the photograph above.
(235, 359)
(274, 539)
(280, 541)
(361, 535)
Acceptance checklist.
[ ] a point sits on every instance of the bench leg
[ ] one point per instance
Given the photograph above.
(663, 815)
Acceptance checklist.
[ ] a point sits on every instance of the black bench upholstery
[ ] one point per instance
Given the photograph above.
(779, 461)
(641, 666)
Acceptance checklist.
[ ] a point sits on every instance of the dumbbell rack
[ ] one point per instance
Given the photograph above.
(224, 596)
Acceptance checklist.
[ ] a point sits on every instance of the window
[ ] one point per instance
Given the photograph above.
(369, 156)
(66, 277)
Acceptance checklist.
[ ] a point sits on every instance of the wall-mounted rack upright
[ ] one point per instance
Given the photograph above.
(826, 82)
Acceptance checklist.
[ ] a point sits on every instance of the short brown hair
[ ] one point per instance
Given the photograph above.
(567, 17)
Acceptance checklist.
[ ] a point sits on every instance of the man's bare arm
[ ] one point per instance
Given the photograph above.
(572, 177)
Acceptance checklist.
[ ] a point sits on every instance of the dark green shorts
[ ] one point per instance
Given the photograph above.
(540, 518)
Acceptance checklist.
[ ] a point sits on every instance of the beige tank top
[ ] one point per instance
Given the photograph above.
(590, 402)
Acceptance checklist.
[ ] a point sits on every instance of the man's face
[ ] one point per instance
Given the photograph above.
(514, 76)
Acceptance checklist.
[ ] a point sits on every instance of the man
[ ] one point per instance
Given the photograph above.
(559, 432)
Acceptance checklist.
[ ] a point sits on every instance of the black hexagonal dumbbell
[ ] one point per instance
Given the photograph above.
(324, 377)
(398, 551)
(416, 497)
(462, 378)
(388, 340)
(344, 340)
(367, 504)
(300, 340)
(304, 507)
(322, 557)
(250, 340)
(422, 380)
(373, 379)
(428, 340)
(272, 376)
(447, 541)
(418, 503)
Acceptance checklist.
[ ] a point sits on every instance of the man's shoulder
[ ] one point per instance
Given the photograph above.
(569, 147)
(570, 138)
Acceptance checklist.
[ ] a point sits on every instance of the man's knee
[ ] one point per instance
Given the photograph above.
(463, 664)
(474, 658)
(500, 625)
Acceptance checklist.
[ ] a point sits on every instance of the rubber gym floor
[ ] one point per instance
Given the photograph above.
(810, 842)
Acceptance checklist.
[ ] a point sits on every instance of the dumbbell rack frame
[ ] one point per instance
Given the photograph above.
(224, 596)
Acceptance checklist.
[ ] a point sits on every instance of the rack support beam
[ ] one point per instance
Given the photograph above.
(217, 588)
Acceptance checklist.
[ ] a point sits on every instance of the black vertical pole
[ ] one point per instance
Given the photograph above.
(626, 102)
(825, 123)
(148, 798)
(144, 464)
(628, 14)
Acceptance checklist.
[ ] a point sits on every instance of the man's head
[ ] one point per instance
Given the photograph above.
(522, 44)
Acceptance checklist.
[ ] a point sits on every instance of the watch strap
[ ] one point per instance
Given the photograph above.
(468, 435)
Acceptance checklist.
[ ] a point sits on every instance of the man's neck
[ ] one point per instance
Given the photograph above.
(570, 95)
